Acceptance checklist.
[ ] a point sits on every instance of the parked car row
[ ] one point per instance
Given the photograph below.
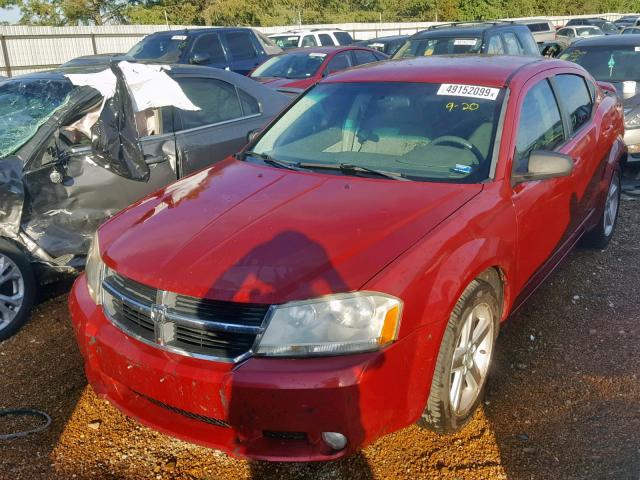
(333, 264)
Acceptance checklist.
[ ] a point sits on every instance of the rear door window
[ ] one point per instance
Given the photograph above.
(513, 46)
(540, 125)
(309, 41)
(343, 38)
(326, 40)
(575, 96)
(362, 56)
(210, 45)
(495, 46)
(240, 45)
(339, 62)
(217, 100)
(250, 105)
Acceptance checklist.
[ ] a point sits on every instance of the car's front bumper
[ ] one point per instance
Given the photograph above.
(262, 408)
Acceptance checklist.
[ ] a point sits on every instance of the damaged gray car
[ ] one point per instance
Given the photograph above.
(71, 156)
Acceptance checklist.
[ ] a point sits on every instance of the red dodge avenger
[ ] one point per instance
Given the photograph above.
(346, 274)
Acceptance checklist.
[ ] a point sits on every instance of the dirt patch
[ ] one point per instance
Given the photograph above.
(563, 399)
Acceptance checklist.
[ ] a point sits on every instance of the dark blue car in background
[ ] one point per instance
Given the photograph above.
(237, 49)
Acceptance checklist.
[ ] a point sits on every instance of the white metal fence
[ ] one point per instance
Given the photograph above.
(28, 49)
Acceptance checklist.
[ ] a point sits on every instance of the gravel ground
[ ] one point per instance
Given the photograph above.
(563, 398)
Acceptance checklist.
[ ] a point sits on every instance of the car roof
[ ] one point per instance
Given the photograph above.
(494, 71)
(463, 29)
(309, 30)
(59, 73)
(388, 38)
(609, 40)
(196, 31)
(326, 50)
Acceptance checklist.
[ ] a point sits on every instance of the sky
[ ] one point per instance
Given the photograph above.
(9, 15)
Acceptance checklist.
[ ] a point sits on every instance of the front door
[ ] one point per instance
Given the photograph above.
(69, 195)
(544, 209)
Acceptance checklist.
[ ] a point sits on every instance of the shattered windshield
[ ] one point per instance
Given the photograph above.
(162, 48)
(25, 105)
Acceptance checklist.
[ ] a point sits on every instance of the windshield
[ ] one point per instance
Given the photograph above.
(610, 64)
(162, 48)
(24, 106)
(286, 41)
(438, 46)
(291, 66)
(422, 131)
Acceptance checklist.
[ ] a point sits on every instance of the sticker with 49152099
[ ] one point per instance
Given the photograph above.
(470, 91)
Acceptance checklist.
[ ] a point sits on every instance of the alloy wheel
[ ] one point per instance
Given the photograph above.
(471, 358)
(611, 205)
(11, 290)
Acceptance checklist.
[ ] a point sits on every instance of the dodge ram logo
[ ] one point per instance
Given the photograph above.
(164, 330)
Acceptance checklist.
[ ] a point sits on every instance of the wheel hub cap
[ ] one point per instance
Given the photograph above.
(471, 358)
(11, 290)
(611, 205)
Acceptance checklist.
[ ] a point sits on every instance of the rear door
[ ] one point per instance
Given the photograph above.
(209, 51)
(219, 129)
(242, 50)
(555, 115)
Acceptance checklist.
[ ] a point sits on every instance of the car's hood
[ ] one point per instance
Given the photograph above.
(252, 233)
(277, 82)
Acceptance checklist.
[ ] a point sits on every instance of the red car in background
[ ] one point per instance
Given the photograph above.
(302, 67)
(346, 275)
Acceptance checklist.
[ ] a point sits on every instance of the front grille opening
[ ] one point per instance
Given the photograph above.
(193, 416)
(132, 304)
(278, 435)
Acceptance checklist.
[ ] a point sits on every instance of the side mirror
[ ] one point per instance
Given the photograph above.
(200, 58)
(543, 165)
(252, 134)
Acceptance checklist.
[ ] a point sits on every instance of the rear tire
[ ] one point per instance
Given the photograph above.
(17, 289)
(464, 359)
(602, 233)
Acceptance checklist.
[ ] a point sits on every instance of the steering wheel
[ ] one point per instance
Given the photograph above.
(462, 142)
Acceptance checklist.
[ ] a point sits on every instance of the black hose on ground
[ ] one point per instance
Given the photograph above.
(26, 412)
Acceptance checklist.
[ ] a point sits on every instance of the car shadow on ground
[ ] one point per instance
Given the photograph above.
(564, 394)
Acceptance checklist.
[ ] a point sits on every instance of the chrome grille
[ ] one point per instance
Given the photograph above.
(191, 326)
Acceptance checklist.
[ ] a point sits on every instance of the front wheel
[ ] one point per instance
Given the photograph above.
(17, 289)
(601, 235)
(464, 359)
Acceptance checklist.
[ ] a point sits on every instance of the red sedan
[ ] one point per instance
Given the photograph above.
(346, 274)
(302, 67)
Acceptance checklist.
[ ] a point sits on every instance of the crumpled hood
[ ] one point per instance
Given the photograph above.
(246, 232)
(276, 82)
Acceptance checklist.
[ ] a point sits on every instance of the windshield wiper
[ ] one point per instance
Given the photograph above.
(349, 169)
(269, 160)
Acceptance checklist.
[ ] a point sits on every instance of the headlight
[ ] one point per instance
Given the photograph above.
(94, 270)
(336, 324)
